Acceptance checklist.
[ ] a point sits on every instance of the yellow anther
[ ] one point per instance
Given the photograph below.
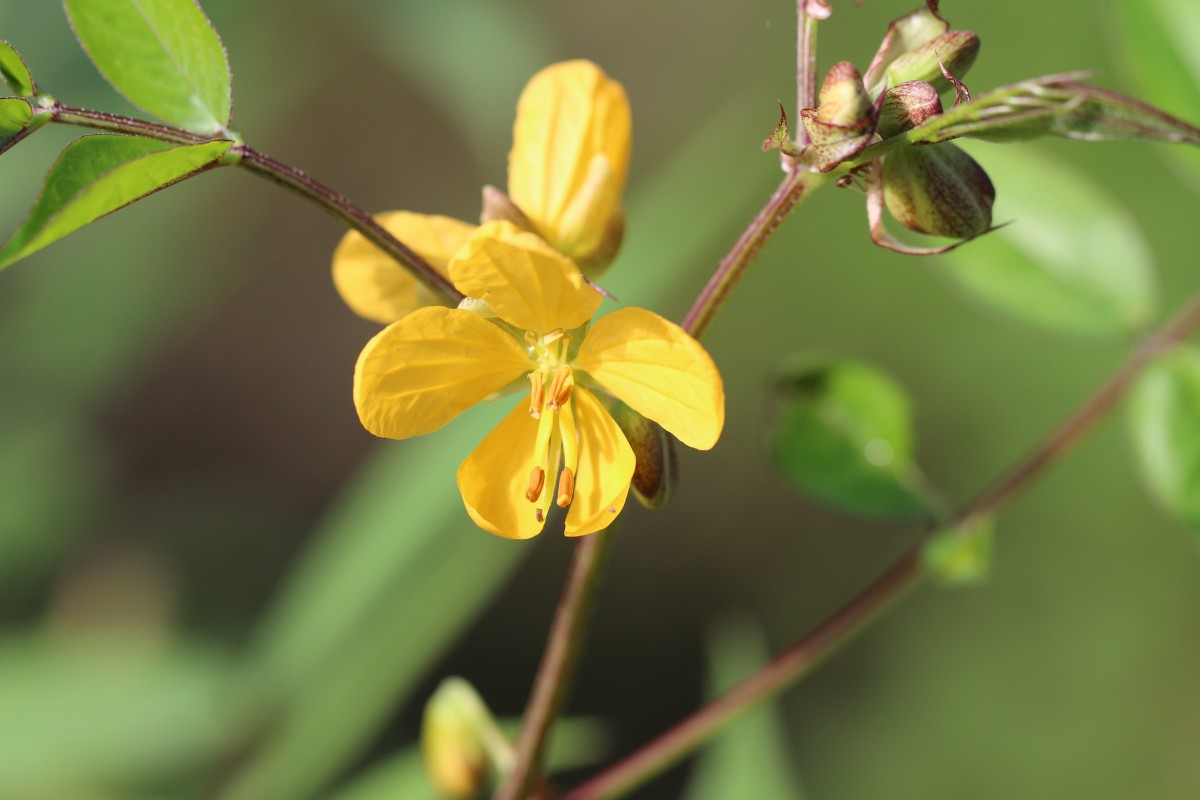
(566, 488)
(553, 336)
(537, 395)
(560, 388)
(531, 338)
(537, 479)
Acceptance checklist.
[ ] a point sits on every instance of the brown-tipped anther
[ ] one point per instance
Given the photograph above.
(537, 395)
(566, 488)
(537, 479)
(560, 388)
(907, 105)
(537, 513)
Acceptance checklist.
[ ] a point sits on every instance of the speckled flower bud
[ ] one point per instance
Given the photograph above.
(907, 105)
(454, 737)
(938, 189)
(844, 121)
(654, 473)
(956, 49)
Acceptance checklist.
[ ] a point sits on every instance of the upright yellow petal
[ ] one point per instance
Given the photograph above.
(606, 464)
(570, 154)
(494, 477)
(374, 285)
(659, 371)
(423, 371)
(524, 280)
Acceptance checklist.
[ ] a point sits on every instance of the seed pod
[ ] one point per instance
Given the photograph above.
(907, 105)
(938, 189)
(957, 51)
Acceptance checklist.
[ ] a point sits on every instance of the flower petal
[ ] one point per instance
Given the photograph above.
(374, 285)
(524, 280)
(570, 154)
(494, 477)
(423, 371)
(660, 371)
(606, 464)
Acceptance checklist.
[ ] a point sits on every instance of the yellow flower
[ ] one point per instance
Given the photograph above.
(422, 371)
(566, 172)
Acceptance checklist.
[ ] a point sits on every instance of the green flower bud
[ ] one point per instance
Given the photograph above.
(938, 189)
(655, 471)
(956, 49)
(907, 105)
(844, 121)
(455, 736)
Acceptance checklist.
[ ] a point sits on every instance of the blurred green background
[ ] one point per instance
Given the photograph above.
(213, 582)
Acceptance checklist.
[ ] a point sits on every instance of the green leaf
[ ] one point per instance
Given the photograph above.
(842, 432)
(750, 757)
(1164, 420)
(14, 71)
(16, 116)
(960, 556)
(1072, 259)
(1157, 43)
(97, 175)
(164, 55)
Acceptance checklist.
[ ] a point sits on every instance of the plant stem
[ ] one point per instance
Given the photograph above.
(354, 216)
(557, 669)
(277, 172)
(794, 187)
(806, 67)
(799, 660)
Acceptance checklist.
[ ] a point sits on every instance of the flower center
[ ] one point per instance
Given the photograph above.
(551, 384)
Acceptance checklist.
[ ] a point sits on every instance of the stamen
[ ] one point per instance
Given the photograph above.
(531, 338)
(537, 512)
(566, 488)
(560, 387)
(537, 395)
(553, 336)
(537, 479)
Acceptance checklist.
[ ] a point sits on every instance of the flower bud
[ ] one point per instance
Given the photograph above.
(497, 205)
(454, 737)
(595, 262)
(654, 471)
(956, 49)
(938, 189)
(907, 105)
(844, 121)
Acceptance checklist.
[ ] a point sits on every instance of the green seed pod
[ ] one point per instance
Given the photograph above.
(938, 189)
(455, 734)
(956, 49)
(907, 105)
(655, 470)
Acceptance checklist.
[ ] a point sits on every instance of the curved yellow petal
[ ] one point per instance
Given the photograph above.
(524, 280)
(494, 477)
(659, 371)
(606, 464)
(374, 285)
(423, 371)
(570, 154)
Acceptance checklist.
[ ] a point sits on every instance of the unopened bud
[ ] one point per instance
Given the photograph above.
(455, 735)
(498, 206)
(844, 122)
(654, 470)
(957, 51)
(938, 189)
(907, 105)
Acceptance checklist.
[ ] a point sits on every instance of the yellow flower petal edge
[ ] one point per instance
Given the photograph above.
(606, 464)
(524, 280)
(570, 155)
(419, 373)
(660, 371)
(493, 478)
(379, 289)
